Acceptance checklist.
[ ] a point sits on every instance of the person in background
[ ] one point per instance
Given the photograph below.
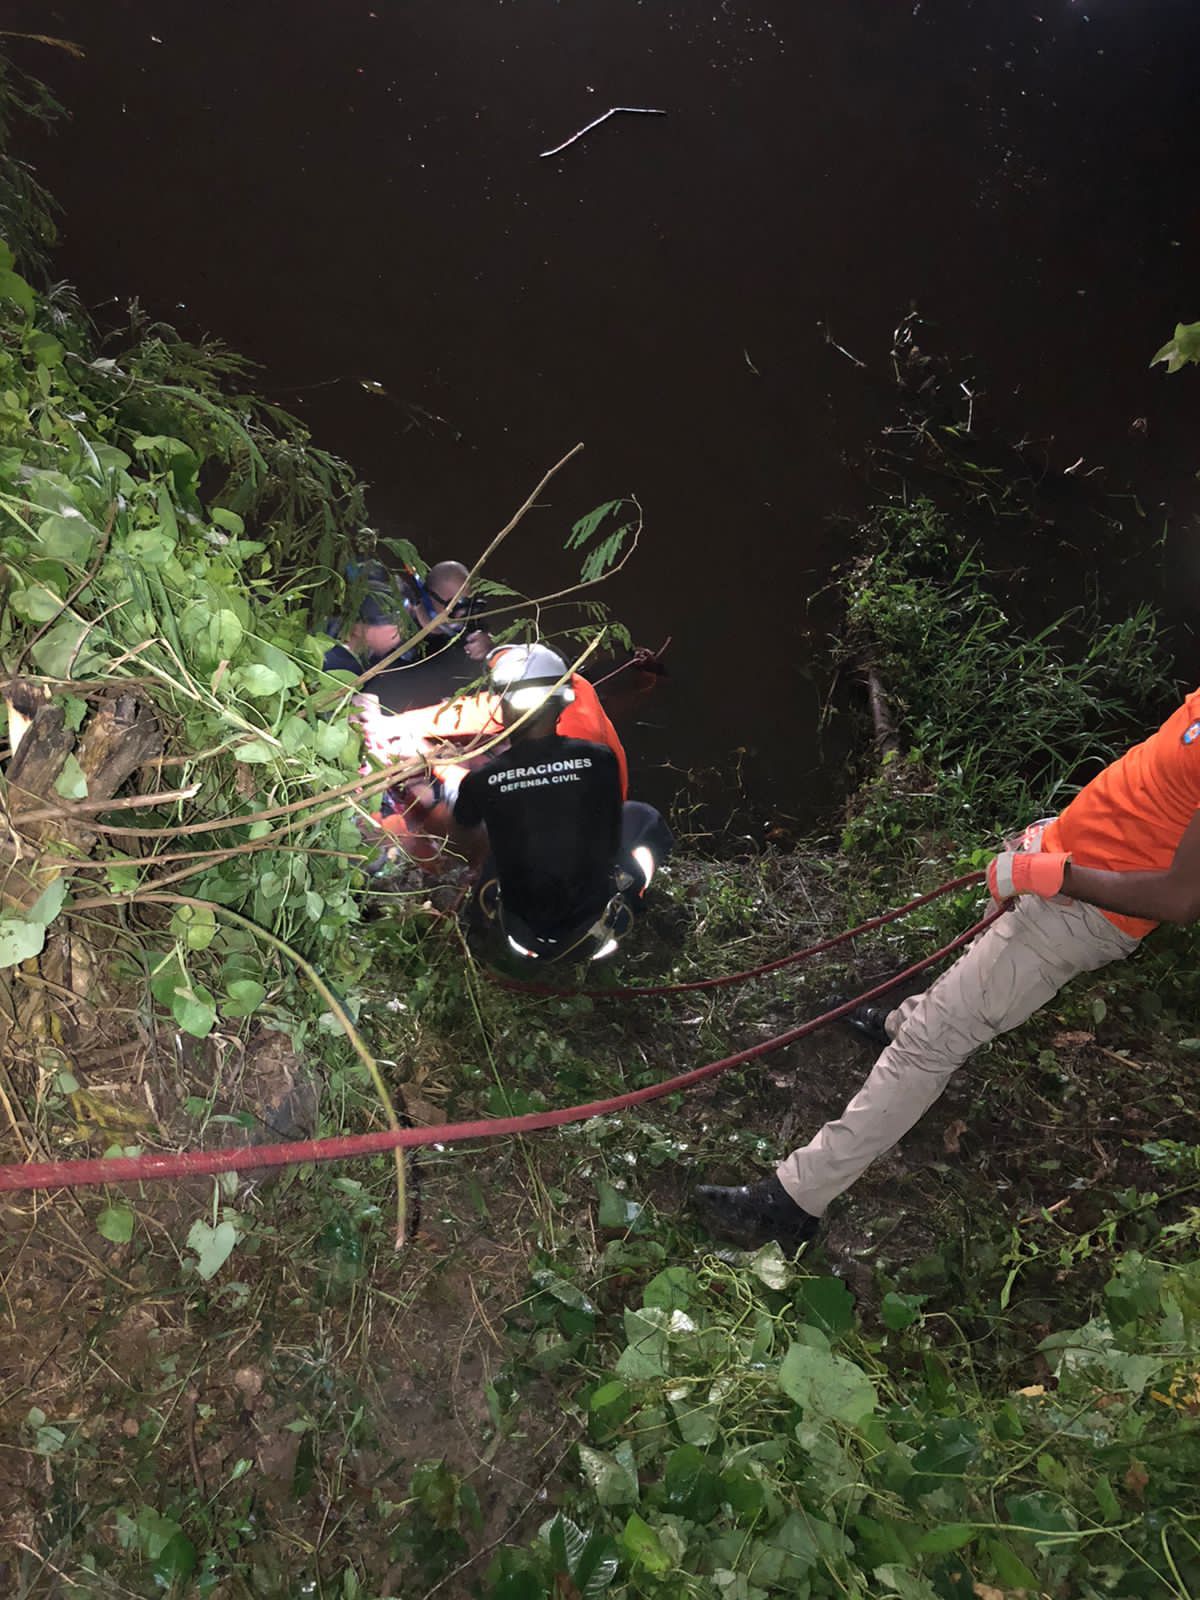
(1082, 890)
(373, 636)
(569, 858)
(446, 588)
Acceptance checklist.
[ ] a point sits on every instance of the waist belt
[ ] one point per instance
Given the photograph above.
(613, 922)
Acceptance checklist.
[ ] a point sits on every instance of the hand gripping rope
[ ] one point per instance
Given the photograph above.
(87, 1173)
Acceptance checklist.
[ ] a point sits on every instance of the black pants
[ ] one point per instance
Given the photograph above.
(641, 825)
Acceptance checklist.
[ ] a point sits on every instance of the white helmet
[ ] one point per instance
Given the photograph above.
(526, 676)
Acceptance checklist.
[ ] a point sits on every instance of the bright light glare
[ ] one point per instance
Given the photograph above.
(642, 855)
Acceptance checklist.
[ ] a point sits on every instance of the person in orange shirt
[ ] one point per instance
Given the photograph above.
(1082, 890)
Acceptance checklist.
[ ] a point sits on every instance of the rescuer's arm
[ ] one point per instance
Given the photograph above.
(1169, 896)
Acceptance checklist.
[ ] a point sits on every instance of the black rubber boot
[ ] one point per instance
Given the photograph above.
(755, 1213)
(868, 1023)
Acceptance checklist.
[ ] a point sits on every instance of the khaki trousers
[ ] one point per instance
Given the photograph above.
(1007, 974)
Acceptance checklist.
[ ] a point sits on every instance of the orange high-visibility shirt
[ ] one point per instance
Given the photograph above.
(1131, 817)
(586, 718)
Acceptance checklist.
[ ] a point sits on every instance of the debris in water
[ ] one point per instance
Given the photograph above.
(637, 111)
(840, 348)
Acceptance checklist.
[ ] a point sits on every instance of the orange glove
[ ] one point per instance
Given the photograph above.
(1020, 872)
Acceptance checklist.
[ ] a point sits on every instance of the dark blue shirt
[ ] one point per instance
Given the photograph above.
(340, 658)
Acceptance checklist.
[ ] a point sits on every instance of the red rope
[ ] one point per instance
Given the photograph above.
(625, 992)
(79, 1173)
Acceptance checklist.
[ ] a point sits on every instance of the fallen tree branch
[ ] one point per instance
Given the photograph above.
(613, 111)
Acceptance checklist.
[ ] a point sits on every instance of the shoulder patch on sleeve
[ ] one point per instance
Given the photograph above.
(1190, 734)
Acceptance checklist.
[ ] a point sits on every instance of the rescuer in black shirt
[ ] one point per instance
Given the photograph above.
(569, 862)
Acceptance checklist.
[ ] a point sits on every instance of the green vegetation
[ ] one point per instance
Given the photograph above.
(561, 1390)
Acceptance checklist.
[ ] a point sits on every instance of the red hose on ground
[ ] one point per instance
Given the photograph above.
(80, 1173)
(625, 992)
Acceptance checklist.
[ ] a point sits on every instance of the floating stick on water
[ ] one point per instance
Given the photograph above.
(637, 111)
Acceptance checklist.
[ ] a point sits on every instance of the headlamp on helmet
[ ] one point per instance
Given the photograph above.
(529, 676)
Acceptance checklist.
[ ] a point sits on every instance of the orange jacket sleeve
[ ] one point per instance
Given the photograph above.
(586, 718)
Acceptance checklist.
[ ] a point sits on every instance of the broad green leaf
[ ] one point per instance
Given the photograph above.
(596, 1567)
(642, 1546)
(213, 1246)
(332, 739)
(60, 648)
(524, 1585)
(646, 1352)
(71, 782)
(115, 1223)
(825, 1303)
(272, 886)
(1009, 1568)
(245, 995)
(258, 681)
(696, 1419)
(826, 1385)
(149, 1532)
(608, 1408)
(120, 879)
(946, 1448)
(907, 1585)
(45, 348)
(49, 903)
(160, 444)
(940, 1541)
(176, 1562)
(36, 604)
(743, 1491)
(570, 1294)
(13, 287)
(900, 1311)
(256, 752)
(68, 539)
(612, 1477)
(150, 547)
(692, 1488)
(225, 634)
(672, 1289)
(770, 1266)
(566, 1540)
(49, 1440)
(195, 925)
(294, 734)
(75, 711)
(20, 940)
(1041, 1513)
(277, 655)
(616, 1211)
(229, 520)
(194, 1010)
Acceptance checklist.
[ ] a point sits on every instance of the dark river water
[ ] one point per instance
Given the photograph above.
(351, 190)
